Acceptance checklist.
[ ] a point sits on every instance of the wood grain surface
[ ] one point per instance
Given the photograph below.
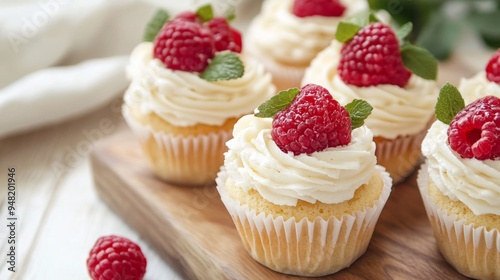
(191, 229)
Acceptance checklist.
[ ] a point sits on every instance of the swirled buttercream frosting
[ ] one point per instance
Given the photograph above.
(396, 111)
(184, 99)
(474, 182)
(477, 87)
(254, 161)
(277, 33)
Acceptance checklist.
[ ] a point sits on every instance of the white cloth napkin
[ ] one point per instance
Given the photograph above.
(62, 58)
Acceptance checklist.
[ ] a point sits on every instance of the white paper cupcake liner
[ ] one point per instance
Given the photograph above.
(473, 251)
(400, 156)
(185, 160)
(305, 248)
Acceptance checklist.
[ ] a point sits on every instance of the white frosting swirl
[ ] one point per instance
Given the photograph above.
(184, 99)
(477, 87)
(474, 182)
(396, 111)
(254, 161)
(291, 40)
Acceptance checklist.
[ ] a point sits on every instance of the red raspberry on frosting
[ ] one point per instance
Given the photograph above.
(327, 8)
(225, 37)
(372, 57)
(493, 68)
(114, 258)
(313, 122)
(184, 45)
(475, 131)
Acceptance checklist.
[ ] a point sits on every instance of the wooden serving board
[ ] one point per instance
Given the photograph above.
(190, 228)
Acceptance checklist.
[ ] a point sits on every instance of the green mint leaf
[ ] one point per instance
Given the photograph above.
(346, 30)
(230, 15)
(154, 25)
(449, 103)
(224, 66)
(205, 12)
(363, 18)
(372, 18)
(404, 30)
(358, 110)
(277, 103)
(420, 61)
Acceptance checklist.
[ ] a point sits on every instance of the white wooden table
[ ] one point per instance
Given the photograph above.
(59, 213)
(60, 216)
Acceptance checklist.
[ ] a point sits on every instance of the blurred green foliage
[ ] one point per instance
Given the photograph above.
(437, 24)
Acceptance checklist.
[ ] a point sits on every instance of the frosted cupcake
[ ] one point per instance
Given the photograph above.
(287, 34)
(486, 82)
(368, 63)
(460, 182)
(304, 195)
(188, 89)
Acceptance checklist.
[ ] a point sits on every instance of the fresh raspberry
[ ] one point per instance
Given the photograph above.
(372, 58)
(475, 131)
(237, 38)
(114, 257)
(313, 122)
(184, 45)
(188, 16)
(493, 68)
(225, 37)
(326, 8)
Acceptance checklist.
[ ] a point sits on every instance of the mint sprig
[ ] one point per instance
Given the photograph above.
(372, 17)
(154, 25)
(346, 31)
(358, 110)
(205, 12)
(224, 66)
(449, 103)
(404, 30)
(420, 61)
(277, 103)
(363, 18)
(230, 14)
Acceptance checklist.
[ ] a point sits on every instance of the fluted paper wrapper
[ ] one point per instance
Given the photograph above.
(400, 156)
(305, 248)
(184, 160)
(473, 251)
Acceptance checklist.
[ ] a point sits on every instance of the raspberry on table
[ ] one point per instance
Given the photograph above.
(475, 131)
(372, 57)
(184, 45)
(115, 258)
(225, 37)
(313, 122)
(493, 68)
(326, 8)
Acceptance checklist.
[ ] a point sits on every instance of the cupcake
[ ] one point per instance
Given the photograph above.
(486, 82)
(368, 63)
(304, 189)
(287, 34)
(460, 180)
(188, 88)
